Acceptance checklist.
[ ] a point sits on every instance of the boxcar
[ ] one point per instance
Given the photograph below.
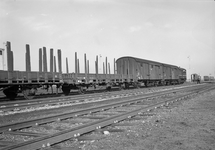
(206, 78)
(195, 78)
(149, 72)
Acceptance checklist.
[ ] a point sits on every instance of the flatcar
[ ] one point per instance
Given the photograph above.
(127, 71)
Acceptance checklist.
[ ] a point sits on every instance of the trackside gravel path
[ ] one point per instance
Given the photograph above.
(185, 125)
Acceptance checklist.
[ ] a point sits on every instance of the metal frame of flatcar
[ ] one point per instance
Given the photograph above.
(79, 80)
(13, 82)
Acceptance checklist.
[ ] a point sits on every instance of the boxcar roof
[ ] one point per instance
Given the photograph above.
(145, 60)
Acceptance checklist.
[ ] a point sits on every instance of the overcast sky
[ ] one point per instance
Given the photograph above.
(168, 31)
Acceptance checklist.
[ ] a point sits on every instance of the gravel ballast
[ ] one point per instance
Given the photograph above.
(185, 125)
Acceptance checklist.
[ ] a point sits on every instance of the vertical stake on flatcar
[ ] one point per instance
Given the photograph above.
(85, 63)
(40, 60)
(59, 61)
(28, 63)
(67, 67)
(76, 66)
(88, 67)
(55, 66)
(97, 69)
(9, 57)
(103, 68)
(51, 60)
(44, 60)
(114, 66)
(28, 58)
(9, 62)
(108, 68)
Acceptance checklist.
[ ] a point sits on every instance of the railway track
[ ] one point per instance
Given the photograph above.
(118, 111)
(56, 102)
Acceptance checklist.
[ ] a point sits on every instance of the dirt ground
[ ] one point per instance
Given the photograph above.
(186, 125)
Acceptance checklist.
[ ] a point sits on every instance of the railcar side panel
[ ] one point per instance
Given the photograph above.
(143, 70)
(152, 72)
(173, 73)
(158, 72)
(166, 72)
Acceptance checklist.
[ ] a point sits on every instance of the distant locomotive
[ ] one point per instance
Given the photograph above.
(127, 71)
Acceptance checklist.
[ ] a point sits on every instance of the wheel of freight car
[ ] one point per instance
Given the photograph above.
(81, 90)
(136, 85)
(11, 95)
(146, 84)
(29, 93)
(11, 92)
(66, 89)
(123, 86)
(108, 88)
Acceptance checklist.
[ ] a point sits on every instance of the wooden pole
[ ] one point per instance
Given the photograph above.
(40, 60)
(55, 66)
(103, 68)
(106, 66)
(76, 65)
(9, 57)
(27, 58)
(51, 60)
(44, 60)
(59, 61)
(85, 62)
(88, 66)
(114, 66)
(67, 67)
(109, 68)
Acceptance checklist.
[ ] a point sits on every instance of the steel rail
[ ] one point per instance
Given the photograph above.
(11, 103)
(43, 120)
(49, 140)
(51, 101)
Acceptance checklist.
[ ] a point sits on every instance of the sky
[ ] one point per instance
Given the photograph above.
(178, 32)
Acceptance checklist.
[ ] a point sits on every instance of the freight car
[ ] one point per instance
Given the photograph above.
(211, 78)
(195, 78)
(127, 71)
(206, 78)
(149, 72)
(13, 82)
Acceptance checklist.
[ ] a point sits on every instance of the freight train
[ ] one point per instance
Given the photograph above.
(128, 71)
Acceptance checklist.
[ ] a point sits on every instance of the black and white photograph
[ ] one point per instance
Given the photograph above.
(107, 75)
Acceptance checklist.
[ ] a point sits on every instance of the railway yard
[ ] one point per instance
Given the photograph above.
(163, 117)
(107, 75)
